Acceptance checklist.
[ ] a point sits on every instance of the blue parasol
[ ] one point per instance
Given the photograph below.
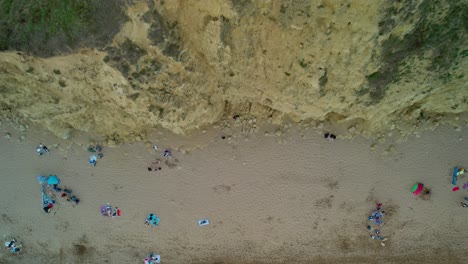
(53, 180)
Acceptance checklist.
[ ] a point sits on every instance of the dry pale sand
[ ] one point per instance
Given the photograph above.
(303, 200)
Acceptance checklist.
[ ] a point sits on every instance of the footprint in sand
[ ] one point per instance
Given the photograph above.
(222, 188)
(325, 202)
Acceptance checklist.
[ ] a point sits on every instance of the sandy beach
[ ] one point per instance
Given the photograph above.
(296, 198)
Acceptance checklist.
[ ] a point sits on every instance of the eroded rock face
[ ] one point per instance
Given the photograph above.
(182, 64)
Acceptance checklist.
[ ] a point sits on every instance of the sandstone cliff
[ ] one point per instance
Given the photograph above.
(183, 64)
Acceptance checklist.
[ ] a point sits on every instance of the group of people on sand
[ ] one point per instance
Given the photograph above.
(14, 246)
(375, 218)
(41, 149)
(156, 165)
(50, 188)
(94, 157)
(106, 210)
(376, 223)
(152, 259)
(67, 194)
(152, 219)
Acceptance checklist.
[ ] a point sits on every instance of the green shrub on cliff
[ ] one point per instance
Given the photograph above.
(439, 30)
(48, 27)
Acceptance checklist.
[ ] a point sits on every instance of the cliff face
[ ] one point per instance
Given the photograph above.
(184, 64)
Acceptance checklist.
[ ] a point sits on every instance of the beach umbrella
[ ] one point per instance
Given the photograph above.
(417, 188)
(53, 180)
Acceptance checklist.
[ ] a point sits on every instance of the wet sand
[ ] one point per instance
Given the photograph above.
(303, 200)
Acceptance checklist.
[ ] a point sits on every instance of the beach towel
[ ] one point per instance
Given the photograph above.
(455, 176)
(46, 190)
(156, 221)
(153, 219)
(106, 210)
(103, 210)
(155, 258)
(41, 179)
(47, 196)
(203, 222)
